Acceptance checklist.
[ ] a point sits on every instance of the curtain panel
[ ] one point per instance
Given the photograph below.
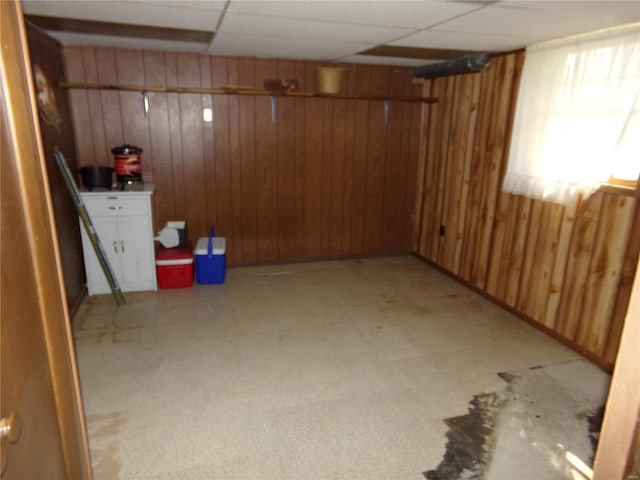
(577, 117)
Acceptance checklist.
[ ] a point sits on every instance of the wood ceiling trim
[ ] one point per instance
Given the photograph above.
(119, 29)
(415, 52)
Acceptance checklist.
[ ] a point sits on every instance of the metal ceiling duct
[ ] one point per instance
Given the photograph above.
(466, 64)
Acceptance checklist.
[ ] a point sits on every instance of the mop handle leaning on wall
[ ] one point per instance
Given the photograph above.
(89, 228)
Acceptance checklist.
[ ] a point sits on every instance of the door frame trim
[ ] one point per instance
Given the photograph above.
(27, 153)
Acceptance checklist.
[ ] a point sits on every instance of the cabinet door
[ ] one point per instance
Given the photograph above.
(137, 257)
(107, 231)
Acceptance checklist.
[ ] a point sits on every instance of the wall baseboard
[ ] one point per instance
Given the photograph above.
(75, 306)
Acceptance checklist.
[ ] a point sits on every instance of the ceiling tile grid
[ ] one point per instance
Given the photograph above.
(339, 30)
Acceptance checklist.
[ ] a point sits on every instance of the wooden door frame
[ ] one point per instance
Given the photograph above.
(25, 145)
(622, 416)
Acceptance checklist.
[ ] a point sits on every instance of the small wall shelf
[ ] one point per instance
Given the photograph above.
(246, 92)
(144, 90)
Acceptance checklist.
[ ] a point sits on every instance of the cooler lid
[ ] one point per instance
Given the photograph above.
(219, 246)
(179, 253)
(178, 261)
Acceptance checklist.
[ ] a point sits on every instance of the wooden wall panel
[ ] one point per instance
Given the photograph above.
(235, 141)
(208, 164)
(222, 203)
(110, 102)
(393, 167)
(565, 269)
(361, 140)
(175, 138)
(337, 192)
(299, 151)
(159, 138)
(266, 159)
(327, 178)
(375, 163)
(191, 136)
(286, 175)
(560, 267)
(427, 174)
(478, 166)
(94, 101)
(605, 268)
(79, 101)
(411, 152)
(313, 168)
(434, 171)
(349, 165)
(580, 253)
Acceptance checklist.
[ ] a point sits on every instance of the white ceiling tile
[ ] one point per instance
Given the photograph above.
(401, 13)
(376, 60)
(271, 47)
(134, 13)
(605, 8)
(540, 20)
(464, 41)
(68, 38)
(309, 29)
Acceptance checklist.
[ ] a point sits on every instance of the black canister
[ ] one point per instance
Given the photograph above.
(97, 176)
(128, 165)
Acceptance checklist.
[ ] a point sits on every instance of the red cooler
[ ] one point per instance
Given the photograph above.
(174, 267)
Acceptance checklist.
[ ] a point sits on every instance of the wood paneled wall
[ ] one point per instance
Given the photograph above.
(328, 178)
(567, 270)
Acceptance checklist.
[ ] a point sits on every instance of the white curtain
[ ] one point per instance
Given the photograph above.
(577, 115)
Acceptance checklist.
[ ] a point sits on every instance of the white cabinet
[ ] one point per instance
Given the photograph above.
(123, 223)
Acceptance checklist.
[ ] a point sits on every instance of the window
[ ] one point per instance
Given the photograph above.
(577, 122)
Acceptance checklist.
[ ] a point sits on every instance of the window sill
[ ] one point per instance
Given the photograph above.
(619, 189)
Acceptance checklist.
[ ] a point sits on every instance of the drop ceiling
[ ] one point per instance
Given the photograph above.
(398, 32)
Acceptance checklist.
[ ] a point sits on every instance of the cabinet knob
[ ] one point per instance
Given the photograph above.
(115, 207)
(115, 246)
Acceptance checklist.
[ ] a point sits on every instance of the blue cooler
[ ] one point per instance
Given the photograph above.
(210, 254)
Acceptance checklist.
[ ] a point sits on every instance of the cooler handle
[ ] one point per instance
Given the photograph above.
(210, 245)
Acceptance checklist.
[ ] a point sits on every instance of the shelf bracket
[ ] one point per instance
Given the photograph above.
(386, 111)
(274, 108)
(145, 103)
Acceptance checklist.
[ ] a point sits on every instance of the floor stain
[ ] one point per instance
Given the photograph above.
(594, 419)
(103, 430)
(536, 418)
(470, 440)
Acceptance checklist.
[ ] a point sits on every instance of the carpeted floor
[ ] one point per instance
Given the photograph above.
(329, 370)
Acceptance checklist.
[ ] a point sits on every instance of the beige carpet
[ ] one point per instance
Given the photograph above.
(329, 370)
